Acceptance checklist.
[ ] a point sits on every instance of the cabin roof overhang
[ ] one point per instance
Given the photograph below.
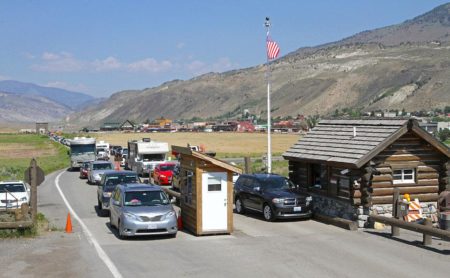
(333, 142)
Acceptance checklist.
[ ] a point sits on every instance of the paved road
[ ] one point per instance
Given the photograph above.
(255, 249)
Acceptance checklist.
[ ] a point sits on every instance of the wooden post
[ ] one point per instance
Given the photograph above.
(33, 183)
(395, 231)
(248, 165)
(427, 239)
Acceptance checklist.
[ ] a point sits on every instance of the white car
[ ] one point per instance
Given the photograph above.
(96, 169)
(13, 194)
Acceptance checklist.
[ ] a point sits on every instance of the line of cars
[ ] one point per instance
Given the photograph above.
(134, 208)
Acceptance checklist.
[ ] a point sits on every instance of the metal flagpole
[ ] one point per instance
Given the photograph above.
(269, 141)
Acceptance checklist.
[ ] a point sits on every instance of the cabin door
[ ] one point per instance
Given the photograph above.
(214, 201)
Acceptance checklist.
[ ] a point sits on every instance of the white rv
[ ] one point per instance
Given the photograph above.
(82, 149)
(145, 154)
(102, 149)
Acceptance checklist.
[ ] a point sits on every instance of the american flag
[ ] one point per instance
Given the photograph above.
(272, 49)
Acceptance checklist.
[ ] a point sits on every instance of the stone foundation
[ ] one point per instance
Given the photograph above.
(337, 208)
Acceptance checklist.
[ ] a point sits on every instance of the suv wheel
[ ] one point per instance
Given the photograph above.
(268, 213)
(239, 206)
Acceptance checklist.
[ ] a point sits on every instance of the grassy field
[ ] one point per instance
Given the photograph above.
(16, 152)
(225, 144)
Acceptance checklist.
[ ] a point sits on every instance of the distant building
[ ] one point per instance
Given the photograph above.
(429, 127)
(110, 126)
(42, 128)
(443, 125)
(245, 126)
(128, 126)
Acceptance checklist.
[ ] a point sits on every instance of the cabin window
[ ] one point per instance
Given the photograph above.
(404, 176)
(318, 177)
(189, 187)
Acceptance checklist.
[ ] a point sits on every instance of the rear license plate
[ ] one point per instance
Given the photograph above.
(297, 208)
(151, 226)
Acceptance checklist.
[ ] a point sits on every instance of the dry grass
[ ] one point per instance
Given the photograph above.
(224, 143)
(21, 150)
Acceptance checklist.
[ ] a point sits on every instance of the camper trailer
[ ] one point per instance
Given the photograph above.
(145, 154)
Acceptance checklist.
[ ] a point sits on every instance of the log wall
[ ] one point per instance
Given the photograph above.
(408, 152)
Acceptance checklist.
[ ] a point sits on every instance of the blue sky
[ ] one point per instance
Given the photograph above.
(101, 47)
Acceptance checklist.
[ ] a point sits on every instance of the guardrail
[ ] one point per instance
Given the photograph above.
(396, 223)
(426, 229)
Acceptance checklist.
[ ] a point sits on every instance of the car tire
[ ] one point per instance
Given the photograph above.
(120, 230)
(268, 213)
(239, 206)
(101, 212)
(110, 221)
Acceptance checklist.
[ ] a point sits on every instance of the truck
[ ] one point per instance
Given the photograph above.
(82, 149)
(145, 154)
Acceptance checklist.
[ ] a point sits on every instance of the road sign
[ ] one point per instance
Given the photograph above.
(40, 176)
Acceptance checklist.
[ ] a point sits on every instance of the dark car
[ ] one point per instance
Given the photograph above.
(273, 195)
(107, 184)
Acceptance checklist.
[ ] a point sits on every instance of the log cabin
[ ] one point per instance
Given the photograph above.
(351, 166)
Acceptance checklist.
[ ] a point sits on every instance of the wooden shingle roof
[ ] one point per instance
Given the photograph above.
(333, 141)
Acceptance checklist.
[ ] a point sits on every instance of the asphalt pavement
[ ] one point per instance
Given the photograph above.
(256, 248)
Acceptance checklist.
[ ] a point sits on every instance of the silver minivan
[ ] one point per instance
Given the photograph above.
(141, 209)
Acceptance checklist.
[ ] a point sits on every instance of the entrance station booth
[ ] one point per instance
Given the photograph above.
(206, 192)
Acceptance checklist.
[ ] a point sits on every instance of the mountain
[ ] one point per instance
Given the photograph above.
(29, 108)
(403, 66)
(72, 100)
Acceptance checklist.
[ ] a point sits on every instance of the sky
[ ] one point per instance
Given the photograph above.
(102, 47)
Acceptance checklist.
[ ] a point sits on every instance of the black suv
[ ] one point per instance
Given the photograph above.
(107, 185)
(273, 195)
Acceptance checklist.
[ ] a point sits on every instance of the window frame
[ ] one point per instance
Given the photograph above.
(402, 174)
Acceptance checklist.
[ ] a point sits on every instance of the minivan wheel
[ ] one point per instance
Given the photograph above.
(120, 228)
(268, 213)
(239, 206)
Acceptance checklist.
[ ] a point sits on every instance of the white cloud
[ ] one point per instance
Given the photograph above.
(71, 87)
(58, 62)
(4, 77)
(181, 45)
(150, 65)
(110, 63)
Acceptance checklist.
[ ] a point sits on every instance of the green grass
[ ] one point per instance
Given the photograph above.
(13, 168)
(41, 224)
(278, 167)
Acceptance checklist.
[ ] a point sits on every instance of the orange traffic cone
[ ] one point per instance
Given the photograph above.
(68, 224)
(179, 222)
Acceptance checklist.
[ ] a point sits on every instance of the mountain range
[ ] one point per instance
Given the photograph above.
(28, 102)
(403, 66)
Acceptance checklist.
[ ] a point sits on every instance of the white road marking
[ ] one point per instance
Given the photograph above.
(101, 253)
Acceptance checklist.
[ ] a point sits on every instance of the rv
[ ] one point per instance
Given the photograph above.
(102, 148)
(145, 154)
(82, 149)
